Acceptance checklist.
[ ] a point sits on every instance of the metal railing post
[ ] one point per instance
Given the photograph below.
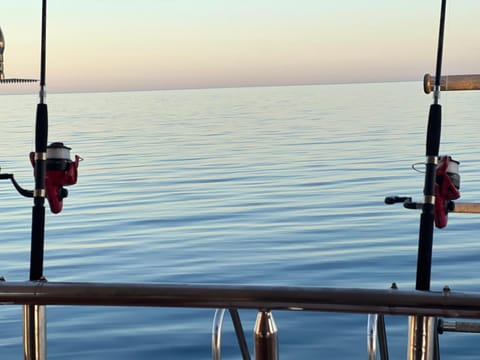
(266, 337)
(376, 335)
(34, 332)
(421, 337)
(217, 333)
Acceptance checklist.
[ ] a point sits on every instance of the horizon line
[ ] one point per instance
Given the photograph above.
(238, 86)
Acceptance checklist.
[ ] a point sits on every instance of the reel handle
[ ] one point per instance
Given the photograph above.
(390, 200)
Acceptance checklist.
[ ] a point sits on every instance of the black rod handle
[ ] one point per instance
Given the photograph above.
(38, 210)
(38, 241)
(433, 130)
(425, 244)
(427, 219)
(41, 129)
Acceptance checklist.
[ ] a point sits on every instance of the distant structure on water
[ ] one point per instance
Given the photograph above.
(2, 68)
(2, 49)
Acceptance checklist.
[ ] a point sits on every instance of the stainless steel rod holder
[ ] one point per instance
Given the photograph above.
(266, 337)
(34, 332)
(421, 338)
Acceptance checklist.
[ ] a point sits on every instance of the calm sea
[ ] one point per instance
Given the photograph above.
(269, 186)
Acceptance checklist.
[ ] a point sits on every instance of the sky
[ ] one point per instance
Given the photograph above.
(105, 45)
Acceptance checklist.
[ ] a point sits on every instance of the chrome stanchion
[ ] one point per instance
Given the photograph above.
(34, 332)
(421, 338)
(217, 333)
(266, 337)
(376, 335)
(372, 336)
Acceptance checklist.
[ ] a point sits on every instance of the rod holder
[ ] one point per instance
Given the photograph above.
(266, 337)
(421, 338)
(452, 82)
(34, 332)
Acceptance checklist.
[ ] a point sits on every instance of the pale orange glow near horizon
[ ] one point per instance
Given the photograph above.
(152, 44)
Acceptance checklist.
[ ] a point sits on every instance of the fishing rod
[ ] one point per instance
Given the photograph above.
(441, 181)
(40, 165)
(423, 338)
(425, 241)
(34, 325)
(441, 184)
(441, 188)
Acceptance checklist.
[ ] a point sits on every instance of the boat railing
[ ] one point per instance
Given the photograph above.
(438, 306)
(217, 333)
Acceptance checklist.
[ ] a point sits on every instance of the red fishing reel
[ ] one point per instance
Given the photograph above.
(61, 171)
(447, 185)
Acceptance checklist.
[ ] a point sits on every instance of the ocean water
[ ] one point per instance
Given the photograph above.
(255, 186)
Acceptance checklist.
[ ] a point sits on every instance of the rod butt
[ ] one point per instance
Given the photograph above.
(266, 337)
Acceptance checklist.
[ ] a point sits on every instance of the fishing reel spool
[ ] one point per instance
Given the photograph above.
(447, 189)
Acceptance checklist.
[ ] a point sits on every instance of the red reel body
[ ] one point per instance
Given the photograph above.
(447, 187)
(61, 171)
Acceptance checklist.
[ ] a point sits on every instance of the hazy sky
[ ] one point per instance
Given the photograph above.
(163, 44)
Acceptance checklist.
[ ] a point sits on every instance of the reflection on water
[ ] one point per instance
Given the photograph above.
(272, 186)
